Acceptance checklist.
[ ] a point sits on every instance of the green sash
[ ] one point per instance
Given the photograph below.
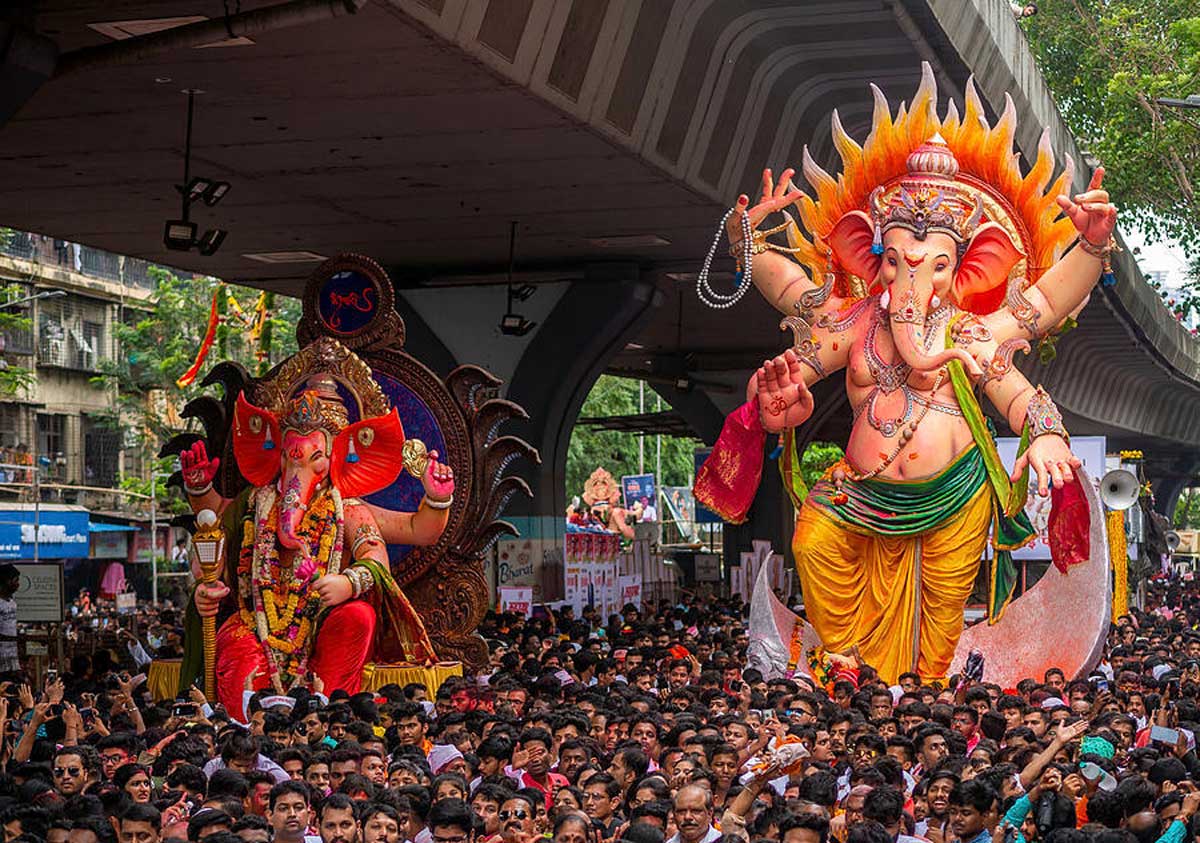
(789, 470)
(1011, 528)
(903, 507)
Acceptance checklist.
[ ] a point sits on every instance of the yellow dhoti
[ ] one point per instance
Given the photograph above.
(898, 597)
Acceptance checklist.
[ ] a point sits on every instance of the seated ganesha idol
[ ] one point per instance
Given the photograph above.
(302, 542)
(939, 261)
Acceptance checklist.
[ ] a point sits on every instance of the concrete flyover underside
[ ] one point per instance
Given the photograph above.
(416, 130)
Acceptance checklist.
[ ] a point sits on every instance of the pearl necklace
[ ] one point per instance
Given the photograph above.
(704, 291)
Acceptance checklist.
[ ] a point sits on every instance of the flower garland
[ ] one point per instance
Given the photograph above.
(284, 608)
(822, 667)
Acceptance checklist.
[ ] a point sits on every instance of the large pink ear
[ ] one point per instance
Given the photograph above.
(982, 277)
(367, 455)
(851, 240)
(255, 442)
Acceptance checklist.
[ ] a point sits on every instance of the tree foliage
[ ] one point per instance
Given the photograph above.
(155, 347)
(14, 380)
(1107, 62)
(818, 457)
(1187, 510)
(617, 451)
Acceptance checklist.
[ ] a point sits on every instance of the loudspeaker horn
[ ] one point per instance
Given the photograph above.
(1173, 541)
(1119, 489)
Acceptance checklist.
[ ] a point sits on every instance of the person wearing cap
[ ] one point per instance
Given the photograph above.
(446, 758)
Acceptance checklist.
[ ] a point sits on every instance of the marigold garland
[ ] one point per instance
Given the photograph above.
(284, 609)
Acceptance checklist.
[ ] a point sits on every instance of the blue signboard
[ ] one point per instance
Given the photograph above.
(61, 534)
(639, 489)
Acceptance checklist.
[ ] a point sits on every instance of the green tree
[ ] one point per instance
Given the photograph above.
(1107, 62)
(14, 380)
(158, 345)
(817, 457)
(617, 451)
(1187, 510)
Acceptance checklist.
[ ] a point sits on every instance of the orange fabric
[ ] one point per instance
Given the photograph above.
(863, 588)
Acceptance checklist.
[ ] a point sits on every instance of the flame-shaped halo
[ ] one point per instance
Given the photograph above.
(1024, 205)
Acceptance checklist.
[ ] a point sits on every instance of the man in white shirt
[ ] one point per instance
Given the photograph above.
(694, 815)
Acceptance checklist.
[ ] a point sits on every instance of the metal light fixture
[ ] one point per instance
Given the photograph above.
(211, 241)
(1190, 101)
(180, 235)
(215, 193)
(513, 324)
(195, 189)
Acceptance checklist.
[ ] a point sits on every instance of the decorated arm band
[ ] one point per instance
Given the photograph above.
(1043, 416)
(367, 533)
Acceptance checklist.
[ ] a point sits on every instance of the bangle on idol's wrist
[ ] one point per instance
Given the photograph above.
(197, 492)
(360, 579)
(435, 504)
(1098, 250)
(1044, 417)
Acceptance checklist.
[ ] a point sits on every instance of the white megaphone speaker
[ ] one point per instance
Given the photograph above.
(1119, 489)
(1173, 541)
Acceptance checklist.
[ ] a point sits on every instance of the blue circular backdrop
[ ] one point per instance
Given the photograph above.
(348, 302)
(419, 423)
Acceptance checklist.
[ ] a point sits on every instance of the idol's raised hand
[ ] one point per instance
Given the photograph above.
(783, 397)
(775, 197)
(1092, 214)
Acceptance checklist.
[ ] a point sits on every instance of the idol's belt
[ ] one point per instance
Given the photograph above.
(902, 507)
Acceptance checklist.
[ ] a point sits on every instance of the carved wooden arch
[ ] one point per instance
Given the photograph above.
(350, 298)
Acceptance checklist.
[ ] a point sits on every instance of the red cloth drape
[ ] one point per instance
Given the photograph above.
(729, 478)
(343, 646)
(1068, 526)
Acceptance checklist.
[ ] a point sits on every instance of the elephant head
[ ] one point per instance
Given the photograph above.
(314, 445)
(923, 245)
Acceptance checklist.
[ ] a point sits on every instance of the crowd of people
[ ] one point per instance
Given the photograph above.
(643, 728)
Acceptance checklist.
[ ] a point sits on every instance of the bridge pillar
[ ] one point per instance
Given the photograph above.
(549, 371)
(570, 350)
(1168, 480)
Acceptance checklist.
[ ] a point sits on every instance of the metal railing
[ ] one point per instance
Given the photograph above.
(85, 260)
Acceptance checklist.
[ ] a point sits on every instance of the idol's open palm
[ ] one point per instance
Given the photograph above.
(783, 397)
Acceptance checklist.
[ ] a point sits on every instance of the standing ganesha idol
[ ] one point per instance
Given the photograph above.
(939, 262)
(307, 585)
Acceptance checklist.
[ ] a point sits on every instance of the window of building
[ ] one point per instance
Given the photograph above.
(17, 340)
(52, 443)
(72, 333)
(101, 451)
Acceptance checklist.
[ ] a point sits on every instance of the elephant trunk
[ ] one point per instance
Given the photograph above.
(907, 312)
(296, 496)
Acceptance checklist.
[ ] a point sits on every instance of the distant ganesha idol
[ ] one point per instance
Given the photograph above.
(938, 262)
(600, 510)
(302, 539)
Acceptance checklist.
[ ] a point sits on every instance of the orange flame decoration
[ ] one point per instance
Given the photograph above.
(987, 163)
(209, 335)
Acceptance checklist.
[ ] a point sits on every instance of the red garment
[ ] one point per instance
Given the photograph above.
(344, 643)
(729, 478)
(1067, 530)
(554, 782)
